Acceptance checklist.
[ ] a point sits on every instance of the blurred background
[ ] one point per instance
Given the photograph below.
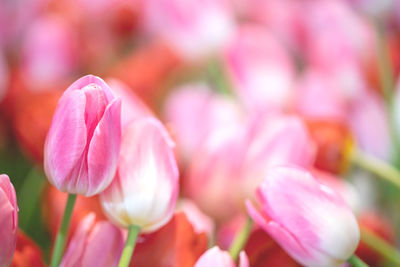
(210, 69)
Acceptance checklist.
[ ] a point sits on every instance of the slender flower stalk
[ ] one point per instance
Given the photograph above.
(356, 262)
(387, 84)
(217, 77)
(377, 166)
(129, 246)
(380, 245)
(240, 239)
(63, 232)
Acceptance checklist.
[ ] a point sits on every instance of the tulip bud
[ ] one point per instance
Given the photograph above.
(94, 244)
(145, 188)
(216, 257)
(8, 220)
(83, 143)
(307, 219)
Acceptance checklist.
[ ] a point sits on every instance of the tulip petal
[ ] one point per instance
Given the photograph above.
(105, 237)
(104, 149)
(7, 227)
(243, 259)
(145, 189)
(287, 241)
(78, 242)
(149, 168)
(66, 140)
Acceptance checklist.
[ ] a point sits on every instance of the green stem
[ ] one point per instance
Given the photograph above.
(63, 232)
(240, 239)
(381, 246)
(386, 76)
(356, 262)
(129, 246)
(217, 77)
(377, 167)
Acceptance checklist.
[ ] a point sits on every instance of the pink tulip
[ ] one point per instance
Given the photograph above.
(145, 188)
(49, 53)
(194, 28)
(307, 219)
(284, 18)
(317, 97)
(214, 165)
(193, 111)
(346, 190)
(15, 17)
(240, 157)
(8, 220)
(270, 141)
(340, 43)
(216, 257)
(261, 70)
(373, 138)
(83, 143)
(94, 244)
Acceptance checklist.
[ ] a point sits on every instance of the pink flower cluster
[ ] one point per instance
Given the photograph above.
(225, 132)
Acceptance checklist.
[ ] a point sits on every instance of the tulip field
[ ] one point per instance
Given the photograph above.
(199, 133)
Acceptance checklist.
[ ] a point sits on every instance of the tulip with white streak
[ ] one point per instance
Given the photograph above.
(307, 219)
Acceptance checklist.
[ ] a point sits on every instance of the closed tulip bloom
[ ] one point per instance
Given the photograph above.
(8, 220)
(145, 188)
(216, 257)
(94, 244)
(307, 219)
(83, 143)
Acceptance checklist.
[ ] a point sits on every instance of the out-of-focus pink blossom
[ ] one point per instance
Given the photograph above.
(369, 123)
(200, 221)
(261, 70)
(307, 219)
(195, 28)
(193, 111)
(240, 157)
(49, 53)
(8, 220)
(284, 18)
(15, 16)
(338, 42)
(272, 141)
(215, 164)
(317, 97)
(83, 143)
(145, 188)
(94, 244)
(216, 257)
